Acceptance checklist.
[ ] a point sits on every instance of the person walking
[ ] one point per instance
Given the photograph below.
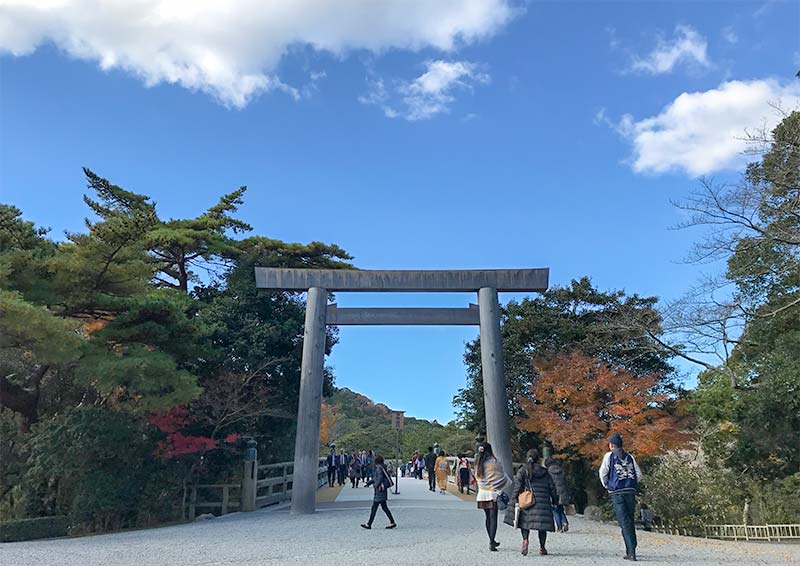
(355, 470)
(430, 467)
(420, 465)
(534, 480)
(559, 479)
(463, 474)
(332, 460)
(364, 459)
(491, 481)
(382, 483)
(371, 465)
(342, 467)
(646, 516)
(442, 471)
(620, 475)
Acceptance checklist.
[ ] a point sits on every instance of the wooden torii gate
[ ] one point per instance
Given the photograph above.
(318, 282)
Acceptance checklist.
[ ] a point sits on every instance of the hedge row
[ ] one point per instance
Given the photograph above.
(29, 529)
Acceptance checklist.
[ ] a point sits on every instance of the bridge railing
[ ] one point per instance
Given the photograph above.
(270, 484)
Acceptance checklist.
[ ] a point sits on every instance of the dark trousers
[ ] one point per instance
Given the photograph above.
(431, 479)
(331, 475)
(542, 537)
(624, 507)
(342, 474)
(385, 507)
(463, 476)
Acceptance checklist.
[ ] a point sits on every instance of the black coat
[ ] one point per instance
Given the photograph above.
(560, 481)
(381, 482)
(540, 516)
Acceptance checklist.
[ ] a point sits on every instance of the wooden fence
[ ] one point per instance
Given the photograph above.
(273, 484)
(752, 532)
(733, 532)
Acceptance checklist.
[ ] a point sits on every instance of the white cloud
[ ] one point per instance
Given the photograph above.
(729, 35)
(687, 46)
(429, 94)
(231, 48)
(702, 132)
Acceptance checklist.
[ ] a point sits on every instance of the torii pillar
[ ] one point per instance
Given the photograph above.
(487, 284)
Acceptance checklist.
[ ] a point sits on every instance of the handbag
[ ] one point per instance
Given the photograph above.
(502, 501)
(526, 500)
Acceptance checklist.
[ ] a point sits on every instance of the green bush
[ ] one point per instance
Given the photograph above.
(91, 464)
(682, 489)
(776, 502)
(30, 529)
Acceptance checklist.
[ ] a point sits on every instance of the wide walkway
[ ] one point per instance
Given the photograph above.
(433, 529)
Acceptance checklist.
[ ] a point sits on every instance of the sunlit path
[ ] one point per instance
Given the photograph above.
(435, 529)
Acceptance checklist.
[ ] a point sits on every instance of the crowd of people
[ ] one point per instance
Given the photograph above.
(535, 499)
(355, 466)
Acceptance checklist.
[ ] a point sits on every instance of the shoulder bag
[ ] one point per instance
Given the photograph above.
(525, 499)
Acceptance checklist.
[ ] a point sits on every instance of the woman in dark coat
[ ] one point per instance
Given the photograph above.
(533, 477)
(382, 482)
(355, 470)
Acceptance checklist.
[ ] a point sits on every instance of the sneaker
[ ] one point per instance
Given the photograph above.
(393, 525)
(543, 551)
(566, 528)
(631, 557)
(366, 526)
(524, 550)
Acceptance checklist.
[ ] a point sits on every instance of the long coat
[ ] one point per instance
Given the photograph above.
(560, 481)
(540, 516)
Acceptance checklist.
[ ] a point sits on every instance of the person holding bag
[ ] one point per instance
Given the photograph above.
(382, 483)
(531, 502)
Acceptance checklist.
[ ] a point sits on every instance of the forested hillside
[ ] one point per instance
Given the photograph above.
(353, 422)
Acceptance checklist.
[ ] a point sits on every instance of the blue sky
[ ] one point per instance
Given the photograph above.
(416, 135)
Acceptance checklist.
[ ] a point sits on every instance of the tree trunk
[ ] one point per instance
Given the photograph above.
(24, 402)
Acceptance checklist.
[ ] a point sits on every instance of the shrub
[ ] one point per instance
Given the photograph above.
(91, 464)
(681, 489)
(30, 529)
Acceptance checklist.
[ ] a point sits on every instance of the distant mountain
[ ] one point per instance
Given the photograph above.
(353, 421)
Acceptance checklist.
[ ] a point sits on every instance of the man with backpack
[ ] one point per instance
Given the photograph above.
(620, 475)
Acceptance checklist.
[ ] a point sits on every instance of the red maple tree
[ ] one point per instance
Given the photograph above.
(176, 443)
(577, 402)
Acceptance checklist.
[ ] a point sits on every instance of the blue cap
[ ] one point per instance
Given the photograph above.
(616, 440)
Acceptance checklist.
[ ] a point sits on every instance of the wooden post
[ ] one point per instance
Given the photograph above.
(225, 499)
(192, 502)
(249, 489)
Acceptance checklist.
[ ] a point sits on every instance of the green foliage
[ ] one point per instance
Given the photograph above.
(707, 495)
(137, 378)
(101, 330)
(91, 464)
(363, 424)
(776, 502)
(178, 245)
(32, 529)
(36, 331)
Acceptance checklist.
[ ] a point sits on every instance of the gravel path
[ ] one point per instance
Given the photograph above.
(433, 528)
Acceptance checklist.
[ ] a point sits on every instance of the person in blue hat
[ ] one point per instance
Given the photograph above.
(620, 475)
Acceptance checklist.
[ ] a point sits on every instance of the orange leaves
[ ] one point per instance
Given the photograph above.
(577, 402)
(327, 424)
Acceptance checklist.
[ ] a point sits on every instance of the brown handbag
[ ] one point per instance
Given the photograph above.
(525, 499)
